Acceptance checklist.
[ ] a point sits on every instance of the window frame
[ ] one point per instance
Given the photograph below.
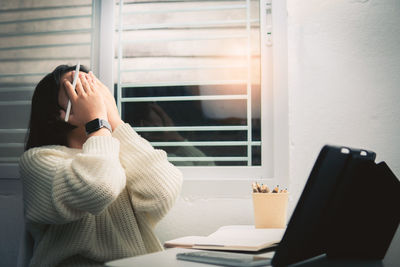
(274, 96)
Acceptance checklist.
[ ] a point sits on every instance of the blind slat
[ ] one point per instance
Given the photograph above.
(197, 38)
(181, 10)
(17, 89)
(186, 68)
(183, 83)
(42, 8)
(190, 128)
(187, 25)
(14, 103)
(44, 46)
(206, 143)
(8, 145)
(44, 19)
(13, 131)
(208, 158)
(182, 98)
(16, 34)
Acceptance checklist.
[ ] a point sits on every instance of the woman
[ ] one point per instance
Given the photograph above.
(91, 195)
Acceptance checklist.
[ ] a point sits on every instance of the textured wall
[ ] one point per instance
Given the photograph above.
(344, 80)
(344, 88)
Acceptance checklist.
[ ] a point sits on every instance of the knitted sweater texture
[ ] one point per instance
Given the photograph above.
(87, 206)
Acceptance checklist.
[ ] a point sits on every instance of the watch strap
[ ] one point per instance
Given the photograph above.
(97, 124)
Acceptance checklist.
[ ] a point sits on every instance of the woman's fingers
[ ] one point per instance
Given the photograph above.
(79, 88)
(90, 80)
(97, 81)
(85, 83)
(92, 77)
(70, 90)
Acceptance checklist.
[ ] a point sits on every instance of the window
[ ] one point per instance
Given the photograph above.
(194, 78)
(34, 39)
(200, 79)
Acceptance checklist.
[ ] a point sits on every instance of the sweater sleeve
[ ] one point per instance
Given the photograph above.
(60, 186)
(152, 182)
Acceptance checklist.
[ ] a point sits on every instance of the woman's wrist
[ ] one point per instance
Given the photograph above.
(115, 123)
(100, 132)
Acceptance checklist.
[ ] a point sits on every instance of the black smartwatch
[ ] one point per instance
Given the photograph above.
(97, 124)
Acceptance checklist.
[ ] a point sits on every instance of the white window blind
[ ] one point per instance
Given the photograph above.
(189, 78)
(35, 37)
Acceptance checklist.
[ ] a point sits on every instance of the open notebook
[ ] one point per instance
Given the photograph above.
(233, 237)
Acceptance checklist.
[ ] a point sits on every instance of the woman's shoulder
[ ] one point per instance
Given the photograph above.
(48, 151)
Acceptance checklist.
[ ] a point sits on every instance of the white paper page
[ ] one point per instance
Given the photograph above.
(186, 240)
(242, 235)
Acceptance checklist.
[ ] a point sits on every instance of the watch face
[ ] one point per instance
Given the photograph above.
(96, 124)
(92, 126)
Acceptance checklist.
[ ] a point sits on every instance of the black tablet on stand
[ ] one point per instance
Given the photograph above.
(320, 212)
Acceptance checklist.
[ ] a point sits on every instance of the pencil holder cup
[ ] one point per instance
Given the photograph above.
(270, 210)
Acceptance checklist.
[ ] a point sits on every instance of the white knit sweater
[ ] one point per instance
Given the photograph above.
(91, 205)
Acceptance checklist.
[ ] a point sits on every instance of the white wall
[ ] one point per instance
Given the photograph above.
(344, 80)
(344, 89)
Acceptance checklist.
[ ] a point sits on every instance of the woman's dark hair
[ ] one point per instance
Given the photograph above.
(45, 125)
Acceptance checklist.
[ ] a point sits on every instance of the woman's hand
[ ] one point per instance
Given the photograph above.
(112, 110)
(87, 102)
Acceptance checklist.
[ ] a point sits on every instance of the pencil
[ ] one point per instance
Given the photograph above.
(276, 189)
(258, 188)
(78, 66)
(264, 188)
(254, 187)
